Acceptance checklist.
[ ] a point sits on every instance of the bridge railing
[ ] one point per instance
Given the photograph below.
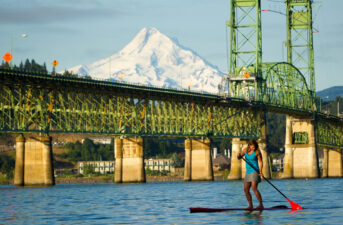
(87, 79)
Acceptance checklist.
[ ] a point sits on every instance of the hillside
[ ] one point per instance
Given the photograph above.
(331, 93)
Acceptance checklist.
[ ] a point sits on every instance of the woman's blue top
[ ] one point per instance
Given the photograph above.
(252, 159)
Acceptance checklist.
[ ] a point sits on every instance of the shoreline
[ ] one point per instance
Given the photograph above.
(103, 179)
(72, 180)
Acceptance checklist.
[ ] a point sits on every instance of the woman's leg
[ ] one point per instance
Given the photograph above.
(254, 186)
(247, 186)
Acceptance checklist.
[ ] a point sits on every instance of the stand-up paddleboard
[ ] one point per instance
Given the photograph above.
(209, 210)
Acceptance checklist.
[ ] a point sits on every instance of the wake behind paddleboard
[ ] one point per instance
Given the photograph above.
(209, 210)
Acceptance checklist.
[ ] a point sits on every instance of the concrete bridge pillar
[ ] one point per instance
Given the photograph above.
(19, 161)
(325, 162)
(34, 165)
(198, 161)
(237, 170)
(300, 159)
(335, 163)
(288, 158)
(262, 144)
(265, 160)
(129, 166)
(188, 160)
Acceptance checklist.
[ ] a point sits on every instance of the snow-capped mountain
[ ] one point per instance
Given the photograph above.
(152, 58)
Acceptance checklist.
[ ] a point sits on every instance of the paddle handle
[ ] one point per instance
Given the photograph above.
(265, 178)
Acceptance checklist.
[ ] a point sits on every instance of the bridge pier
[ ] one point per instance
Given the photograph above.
(300, 159)
(237, 167)
(19, 161)
(262, 145)
(288, 158)
(332, 163)
(129, 166)
(33, 165)
(198, 161)
(265, 158)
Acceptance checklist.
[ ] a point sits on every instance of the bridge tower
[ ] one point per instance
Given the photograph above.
(301, 158)
(300, 39)
(245, 68)
(245, 71)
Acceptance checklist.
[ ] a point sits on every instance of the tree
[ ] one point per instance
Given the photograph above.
(7, 165)
(88, 150)
(87, 169)
(178, 161)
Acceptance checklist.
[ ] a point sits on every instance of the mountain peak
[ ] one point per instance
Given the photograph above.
(149, 31)
(146, 38)
(152, 58)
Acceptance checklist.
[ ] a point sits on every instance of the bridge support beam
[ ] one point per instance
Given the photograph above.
(288, 158)
(332, 163)
(129, 166)
(19, 161)
(262, 144)
(300, 159)
(325, 162)
(34, 165)
(265, 158)
(237, 170)
(198, 160)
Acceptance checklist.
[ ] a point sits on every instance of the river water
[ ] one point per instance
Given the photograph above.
(169, 202)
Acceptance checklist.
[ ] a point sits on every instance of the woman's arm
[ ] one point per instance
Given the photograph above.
(240, 155)
(260, 162)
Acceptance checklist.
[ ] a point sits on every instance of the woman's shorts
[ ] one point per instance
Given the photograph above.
(252, 177)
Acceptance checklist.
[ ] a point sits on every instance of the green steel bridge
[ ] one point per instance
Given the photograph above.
(46, 103)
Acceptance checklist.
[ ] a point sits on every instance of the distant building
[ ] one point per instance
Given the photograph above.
(6, 148)
(102, 167)
(219, 161)
(278, 163)
(159, 165)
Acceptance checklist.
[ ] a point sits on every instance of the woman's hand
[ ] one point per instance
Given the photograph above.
(239, 156)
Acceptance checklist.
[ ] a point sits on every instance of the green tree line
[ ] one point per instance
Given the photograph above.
(88, 151)
(331, 107)
(30, 65)
(7, 165)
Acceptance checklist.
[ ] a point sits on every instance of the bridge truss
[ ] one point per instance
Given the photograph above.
(44, 103)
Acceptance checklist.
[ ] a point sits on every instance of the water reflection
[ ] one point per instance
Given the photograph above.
(254, 217)
(169, 203)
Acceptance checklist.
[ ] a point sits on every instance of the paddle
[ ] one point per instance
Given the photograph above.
(294, 205)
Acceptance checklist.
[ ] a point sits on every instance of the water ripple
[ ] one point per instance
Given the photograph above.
(169, 202)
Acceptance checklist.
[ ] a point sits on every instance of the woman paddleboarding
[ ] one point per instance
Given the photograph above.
(253, 157)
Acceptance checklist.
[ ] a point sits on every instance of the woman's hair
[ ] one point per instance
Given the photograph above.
(254, 143)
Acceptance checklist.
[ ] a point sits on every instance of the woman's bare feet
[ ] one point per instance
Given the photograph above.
(250, 207)
(260, 207)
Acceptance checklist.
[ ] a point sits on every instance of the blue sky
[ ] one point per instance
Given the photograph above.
(82, 31)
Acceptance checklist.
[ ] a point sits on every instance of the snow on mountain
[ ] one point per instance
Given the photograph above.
(152, 58)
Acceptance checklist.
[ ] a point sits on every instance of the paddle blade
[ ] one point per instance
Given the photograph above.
(294, 205)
